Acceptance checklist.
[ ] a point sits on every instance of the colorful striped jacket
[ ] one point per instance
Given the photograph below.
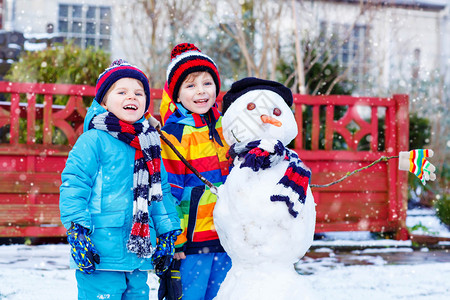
(199, 139)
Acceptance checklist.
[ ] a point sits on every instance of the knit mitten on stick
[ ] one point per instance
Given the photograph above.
(415, 162)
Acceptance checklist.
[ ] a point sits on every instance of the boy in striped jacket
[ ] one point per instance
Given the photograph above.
(192, 123)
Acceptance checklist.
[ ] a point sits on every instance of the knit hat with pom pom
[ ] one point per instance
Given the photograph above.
(117, 70)
(186, 59)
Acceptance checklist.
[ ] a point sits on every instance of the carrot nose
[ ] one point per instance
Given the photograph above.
(269, 120)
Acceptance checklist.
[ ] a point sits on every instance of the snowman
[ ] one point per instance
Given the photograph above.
(265, 213)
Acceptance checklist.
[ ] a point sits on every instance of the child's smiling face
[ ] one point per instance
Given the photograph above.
(198, 92)
(126, 100)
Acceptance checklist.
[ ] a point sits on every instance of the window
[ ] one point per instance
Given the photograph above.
(349, 47)
(86, 25)
(1, 14)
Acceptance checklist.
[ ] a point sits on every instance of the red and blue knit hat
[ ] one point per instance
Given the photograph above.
(186, 59)
(117, 70)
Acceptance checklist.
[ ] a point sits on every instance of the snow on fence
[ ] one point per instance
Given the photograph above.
(337, 134)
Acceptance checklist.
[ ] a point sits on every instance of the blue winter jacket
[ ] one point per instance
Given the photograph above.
(97, 193)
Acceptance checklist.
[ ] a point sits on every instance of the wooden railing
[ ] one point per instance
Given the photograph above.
(30, 171)
(375, 199)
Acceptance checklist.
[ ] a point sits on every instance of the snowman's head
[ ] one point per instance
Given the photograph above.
(256, 109)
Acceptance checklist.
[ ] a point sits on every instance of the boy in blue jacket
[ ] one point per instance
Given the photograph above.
(115, 198)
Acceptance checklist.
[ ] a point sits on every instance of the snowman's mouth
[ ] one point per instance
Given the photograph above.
(130, 107)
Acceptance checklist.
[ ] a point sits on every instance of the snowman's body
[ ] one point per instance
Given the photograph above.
(258, 230)
(263, 239)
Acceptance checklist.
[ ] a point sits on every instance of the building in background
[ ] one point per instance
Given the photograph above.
(387, 46)
(86, 23)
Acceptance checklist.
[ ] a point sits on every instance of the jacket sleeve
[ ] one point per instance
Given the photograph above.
(77, 181)
(164, 215)
(176, 171)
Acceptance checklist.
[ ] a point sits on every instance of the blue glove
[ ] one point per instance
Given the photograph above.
(82, 249)
(165, 249)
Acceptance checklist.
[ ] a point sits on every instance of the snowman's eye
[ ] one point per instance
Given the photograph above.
(251, 106)
(277, 111)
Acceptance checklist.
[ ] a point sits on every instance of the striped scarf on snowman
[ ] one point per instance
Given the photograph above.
(147, 174)
(264, 154)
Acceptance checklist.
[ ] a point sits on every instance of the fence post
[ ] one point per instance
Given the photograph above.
(402, 132)
(48, 120)
(298, 113)
(14, 119)
(31, 118)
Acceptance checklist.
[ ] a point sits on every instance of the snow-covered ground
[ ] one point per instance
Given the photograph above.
(379, 269)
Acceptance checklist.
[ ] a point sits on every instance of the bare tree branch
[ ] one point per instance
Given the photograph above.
(298, 53)
(261, 60)
(336, 80)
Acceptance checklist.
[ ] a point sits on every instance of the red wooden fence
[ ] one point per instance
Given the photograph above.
(372, 200)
